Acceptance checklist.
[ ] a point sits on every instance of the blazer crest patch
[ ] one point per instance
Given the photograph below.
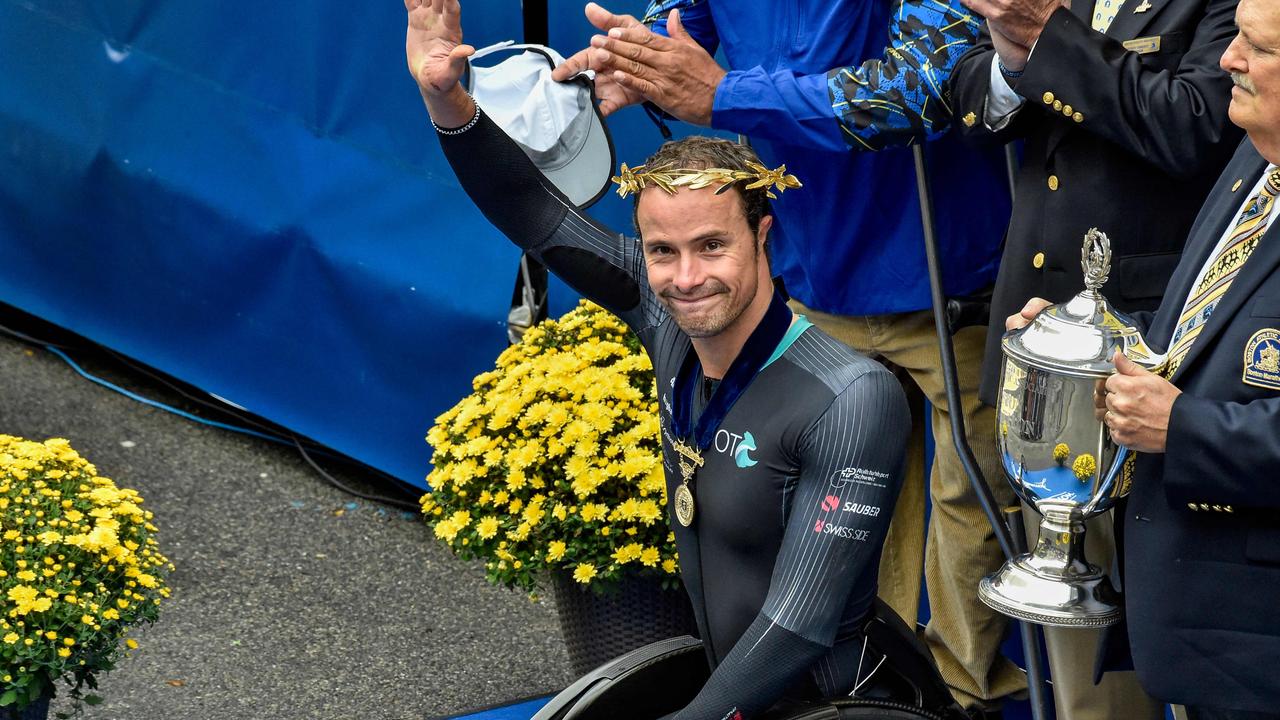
(1262, 359)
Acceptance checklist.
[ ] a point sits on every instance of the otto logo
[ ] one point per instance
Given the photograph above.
(842, 531)
(830, 502)
(860, 509)
(739, 446)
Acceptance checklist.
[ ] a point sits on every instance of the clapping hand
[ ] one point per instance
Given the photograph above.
(612, 95)
(1018, 21)
(675, 73)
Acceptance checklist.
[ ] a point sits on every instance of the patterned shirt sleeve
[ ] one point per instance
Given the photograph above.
(893, 100)
(903, 96)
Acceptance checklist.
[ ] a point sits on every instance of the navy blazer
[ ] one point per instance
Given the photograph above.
(1202, 525)
(1125, 141)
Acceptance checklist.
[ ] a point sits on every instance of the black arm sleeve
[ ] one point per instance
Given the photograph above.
(508, 188)
(851, 465)
(1174, 119)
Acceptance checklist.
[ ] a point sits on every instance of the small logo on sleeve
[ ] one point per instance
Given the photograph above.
(823, 527)
(861, 476)
(862, 509)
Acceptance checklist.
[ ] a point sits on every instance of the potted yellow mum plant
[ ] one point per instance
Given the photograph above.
(550, 472)
(78, 567)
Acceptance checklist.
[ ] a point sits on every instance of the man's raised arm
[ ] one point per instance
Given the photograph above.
(507, 187)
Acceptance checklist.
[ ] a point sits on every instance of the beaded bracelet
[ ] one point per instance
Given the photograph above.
(458, 131)
(1011, 74)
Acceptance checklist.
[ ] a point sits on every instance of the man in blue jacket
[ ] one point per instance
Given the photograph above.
(852, 257)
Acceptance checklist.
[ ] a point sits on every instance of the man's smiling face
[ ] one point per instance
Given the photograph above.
(704, 262)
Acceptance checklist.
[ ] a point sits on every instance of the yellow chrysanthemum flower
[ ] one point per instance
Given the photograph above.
(584, 573)
(487, 527)
(649, 557)
(555, 550)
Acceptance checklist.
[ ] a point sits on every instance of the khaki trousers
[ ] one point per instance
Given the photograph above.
(1072, 651)
(963, 633)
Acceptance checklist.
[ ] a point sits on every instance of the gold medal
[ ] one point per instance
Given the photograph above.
(684, 505)
(690, 461)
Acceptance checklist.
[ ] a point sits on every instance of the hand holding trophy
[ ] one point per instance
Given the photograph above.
(1057, 452)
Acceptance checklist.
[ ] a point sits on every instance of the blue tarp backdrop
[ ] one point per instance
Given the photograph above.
(248, 196)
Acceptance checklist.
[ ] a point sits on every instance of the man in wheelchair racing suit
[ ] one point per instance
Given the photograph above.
(782, 447)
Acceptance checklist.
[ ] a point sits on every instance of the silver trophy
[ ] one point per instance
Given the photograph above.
(1057, 452)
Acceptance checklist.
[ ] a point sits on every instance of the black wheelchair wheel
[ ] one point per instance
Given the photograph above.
(855, 709)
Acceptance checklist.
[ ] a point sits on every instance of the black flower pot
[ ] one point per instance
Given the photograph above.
(598, 627)
(38, 710)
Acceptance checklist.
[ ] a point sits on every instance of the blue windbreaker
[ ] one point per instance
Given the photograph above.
(815, 81)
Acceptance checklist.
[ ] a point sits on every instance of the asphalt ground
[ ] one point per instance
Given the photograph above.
(292, 599)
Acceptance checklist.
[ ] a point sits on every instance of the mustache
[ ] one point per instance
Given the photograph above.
(1243, 82)
(707, 289)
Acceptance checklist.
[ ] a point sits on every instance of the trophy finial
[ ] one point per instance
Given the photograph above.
(1095, 259)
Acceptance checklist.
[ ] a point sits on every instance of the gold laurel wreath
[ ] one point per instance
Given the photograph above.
(633, 180)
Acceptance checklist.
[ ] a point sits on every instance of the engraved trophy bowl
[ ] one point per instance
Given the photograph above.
(1057, 452)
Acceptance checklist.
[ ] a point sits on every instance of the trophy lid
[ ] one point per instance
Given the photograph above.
(1079, 337)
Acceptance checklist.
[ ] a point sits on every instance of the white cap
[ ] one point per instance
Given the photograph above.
(556, 124)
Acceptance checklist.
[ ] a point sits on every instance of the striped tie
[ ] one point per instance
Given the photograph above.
(1224, 267)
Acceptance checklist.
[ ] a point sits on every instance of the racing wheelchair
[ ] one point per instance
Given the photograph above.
(897, 680)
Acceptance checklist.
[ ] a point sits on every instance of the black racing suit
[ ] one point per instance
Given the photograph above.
(798, 486)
